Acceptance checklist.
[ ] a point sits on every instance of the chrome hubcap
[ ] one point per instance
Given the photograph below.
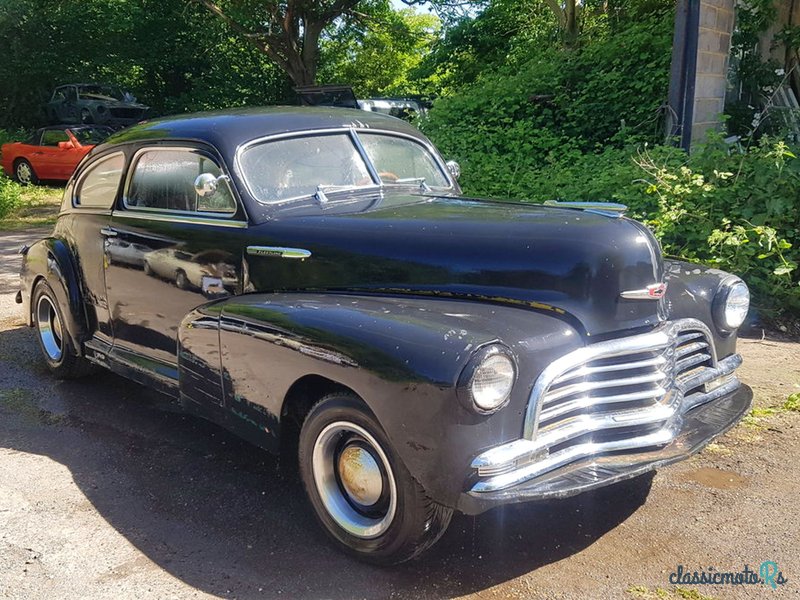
(360, 475)
(24, 173)
(354, 479)
(50, 331)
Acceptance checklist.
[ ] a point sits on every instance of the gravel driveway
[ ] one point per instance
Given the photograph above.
(108, 491)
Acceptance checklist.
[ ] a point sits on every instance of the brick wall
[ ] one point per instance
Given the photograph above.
(713, 48)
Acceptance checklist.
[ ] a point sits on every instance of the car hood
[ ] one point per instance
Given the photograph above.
(568, 262)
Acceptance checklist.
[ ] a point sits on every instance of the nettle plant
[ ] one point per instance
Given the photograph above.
(736, 211)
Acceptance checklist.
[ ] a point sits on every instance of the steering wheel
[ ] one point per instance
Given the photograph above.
(384, 176)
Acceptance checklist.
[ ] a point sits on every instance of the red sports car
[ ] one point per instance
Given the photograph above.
(52, 153)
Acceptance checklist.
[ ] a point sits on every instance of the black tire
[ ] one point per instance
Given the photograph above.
(57, 348)
(86, 116)
(417, 521)
(181, 280)
(24, 173)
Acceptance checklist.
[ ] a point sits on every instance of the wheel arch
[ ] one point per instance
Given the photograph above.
(298, 401)
(51, 260)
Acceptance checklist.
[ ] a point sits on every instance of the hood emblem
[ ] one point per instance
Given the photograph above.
(654, 291)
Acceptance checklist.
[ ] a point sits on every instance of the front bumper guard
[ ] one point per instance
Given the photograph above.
(699, 426)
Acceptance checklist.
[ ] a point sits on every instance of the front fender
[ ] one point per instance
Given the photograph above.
(51, 259)
(402, 356)
(690, 294)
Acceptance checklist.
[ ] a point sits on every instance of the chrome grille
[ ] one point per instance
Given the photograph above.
(625, 397)
(618, 389)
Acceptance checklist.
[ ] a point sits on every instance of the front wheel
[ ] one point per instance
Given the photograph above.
(181, 280)
(360, 490)
(54, 341)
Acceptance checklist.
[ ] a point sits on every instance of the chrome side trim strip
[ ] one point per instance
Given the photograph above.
(278, 252)
(176, 218)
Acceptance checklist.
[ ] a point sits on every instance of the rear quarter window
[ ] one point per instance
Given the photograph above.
(98, 186)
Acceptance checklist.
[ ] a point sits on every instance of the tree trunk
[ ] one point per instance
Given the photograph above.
(570, 23)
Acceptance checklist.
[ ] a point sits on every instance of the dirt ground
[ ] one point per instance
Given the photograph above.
(108, 491)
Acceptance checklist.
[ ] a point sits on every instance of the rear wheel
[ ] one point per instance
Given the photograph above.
(57, 347)
(24, 173)
(360, 490)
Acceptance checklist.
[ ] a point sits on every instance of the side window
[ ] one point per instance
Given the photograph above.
(51, 137)
(98, 187)
(163, 179)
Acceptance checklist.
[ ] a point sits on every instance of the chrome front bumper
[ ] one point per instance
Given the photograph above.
(612, 410)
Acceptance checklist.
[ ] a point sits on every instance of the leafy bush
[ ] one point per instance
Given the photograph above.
(556, 103)
(739, 212)
(10, 196)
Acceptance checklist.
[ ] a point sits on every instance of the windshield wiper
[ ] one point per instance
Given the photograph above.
(322, 197)
(419, 180)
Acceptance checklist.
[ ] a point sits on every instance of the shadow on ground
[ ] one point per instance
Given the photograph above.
(222, 516)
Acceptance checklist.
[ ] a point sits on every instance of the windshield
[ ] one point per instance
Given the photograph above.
(300, 166)
(90, 135)
(99, 92)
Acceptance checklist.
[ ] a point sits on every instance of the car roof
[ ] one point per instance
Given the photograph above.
(89, 83)
(228, 129)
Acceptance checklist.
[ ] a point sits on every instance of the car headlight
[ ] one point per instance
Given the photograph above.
(731, 304)
(485, 383)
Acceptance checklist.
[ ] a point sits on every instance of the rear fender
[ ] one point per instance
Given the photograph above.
(51, 259)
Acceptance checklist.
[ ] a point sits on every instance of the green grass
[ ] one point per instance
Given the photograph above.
(756, 417)
(38, 208)
(643, 592)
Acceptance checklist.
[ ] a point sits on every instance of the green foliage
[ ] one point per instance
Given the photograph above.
(735, 211)
(10, 196)
(377, 52)
(556, 103)
(755, 77)
(171, 54)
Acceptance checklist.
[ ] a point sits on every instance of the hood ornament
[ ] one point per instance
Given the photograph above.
(654, 291)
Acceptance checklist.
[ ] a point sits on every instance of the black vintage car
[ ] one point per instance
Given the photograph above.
(313, 279)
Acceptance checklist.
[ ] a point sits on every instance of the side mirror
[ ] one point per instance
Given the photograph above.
(454, 168)
(65, 145)
(206, 184)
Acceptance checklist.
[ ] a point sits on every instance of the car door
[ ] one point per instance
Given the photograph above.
(60, 161)
(52, 161)
(191, 246)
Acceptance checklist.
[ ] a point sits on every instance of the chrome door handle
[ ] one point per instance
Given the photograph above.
(108, 232)
(278, 252)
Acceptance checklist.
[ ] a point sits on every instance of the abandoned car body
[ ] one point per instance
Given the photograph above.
(425, 352)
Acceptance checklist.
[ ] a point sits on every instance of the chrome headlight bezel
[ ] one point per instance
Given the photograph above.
(467, 379)
(732, 291)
